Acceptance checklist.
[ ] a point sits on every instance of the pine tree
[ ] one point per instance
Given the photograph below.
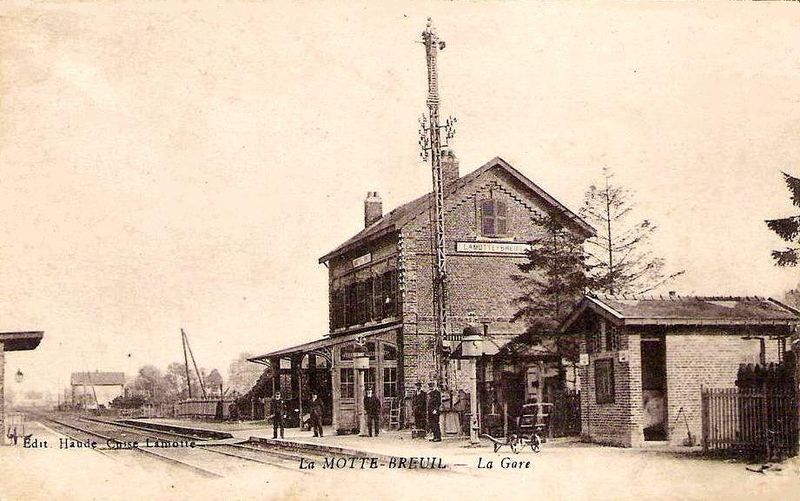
(553, 279)
(788, 228)
(619, 256)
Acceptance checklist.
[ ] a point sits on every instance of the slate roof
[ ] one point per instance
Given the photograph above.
(686, 310)
(395, 219)
(97, 378)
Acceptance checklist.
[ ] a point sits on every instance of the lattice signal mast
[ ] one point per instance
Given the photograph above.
(431, 143)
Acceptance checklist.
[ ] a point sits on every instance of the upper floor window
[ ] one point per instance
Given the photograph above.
(494, 218)
(372, 299)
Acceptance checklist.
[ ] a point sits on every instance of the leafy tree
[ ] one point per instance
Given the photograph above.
(619, 254)
(127, 402)
(213, 381)
(788, 228)
(552, 279)
(242, 375)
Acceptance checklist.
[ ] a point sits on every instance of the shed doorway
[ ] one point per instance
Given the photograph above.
(654, 388)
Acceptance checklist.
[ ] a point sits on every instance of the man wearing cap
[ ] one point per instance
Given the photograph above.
(420, 406)
(434, 405)
(278, 414)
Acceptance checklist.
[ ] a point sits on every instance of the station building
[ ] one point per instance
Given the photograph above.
(380, 294)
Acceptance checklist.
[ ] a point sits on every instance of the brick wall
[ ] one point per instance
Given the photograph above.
(704, 357)
(616, 423)
(478, 283)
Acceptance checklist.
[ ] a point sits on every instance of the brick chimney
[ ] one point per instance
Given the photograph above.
(449, 167)
(373, 208)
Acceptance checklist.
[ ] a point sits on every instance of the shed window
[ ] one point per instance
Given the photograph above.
(604, 381)
(612, 338)
(494, 218)
(347, 383)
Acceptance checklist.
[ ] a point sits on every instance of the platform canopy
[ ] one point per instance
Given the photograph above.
(325, 342)
(20, 341)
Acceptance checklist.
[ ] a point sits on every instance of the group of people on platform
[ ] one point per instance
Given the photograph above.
(279, 414)
(426, 407)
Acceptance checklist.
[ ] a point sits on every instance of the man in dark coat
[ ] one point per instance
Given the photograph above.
(373, 408)
(278, 414)
(420, 405)
(316, 415)
(434, 405)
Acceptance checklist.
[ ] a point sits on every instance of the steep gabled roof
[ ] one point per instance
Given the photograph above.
(397, 218)
(97, 378)
(685, 310)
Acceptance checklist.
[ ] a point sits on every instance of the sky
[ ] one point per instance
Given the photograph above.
(168, 166)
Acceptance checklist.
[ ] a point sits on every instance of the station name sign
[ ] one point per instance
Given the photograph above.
(492, 247)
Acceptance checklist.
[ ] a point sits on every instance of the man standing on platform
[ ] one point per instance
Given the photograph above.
(316, 415)
(278, 414)
(373, 408)
(434, 405)
(420, 405)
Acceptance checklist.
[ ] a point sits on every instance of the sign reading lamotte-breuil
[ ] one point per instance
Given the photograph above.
(492, 247)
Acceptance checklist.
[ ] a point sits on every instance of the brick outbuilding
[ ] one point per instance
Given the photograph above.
(644, 360)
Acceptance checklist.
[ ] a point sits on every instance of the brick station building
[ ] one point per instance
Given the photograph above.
(645, 359)
(380, 291)
(13, 341)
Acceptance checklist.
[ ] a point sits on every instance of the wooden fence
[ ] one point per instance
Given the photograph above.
(756, 423)
(204, 408)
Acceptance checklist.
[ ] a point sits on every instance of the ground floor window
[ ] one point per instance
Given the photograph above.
(604, 381)
(390, 382)
(347, 383)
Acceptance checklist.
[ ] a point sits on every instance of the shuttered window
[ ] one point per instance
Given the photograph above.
(352, 304)
(338, 309)
(377, 297)
(361, 303)
(494, 218)
(368, 301)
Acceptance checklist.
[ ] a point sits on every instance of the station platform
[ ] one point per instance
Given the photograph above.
(390, 443)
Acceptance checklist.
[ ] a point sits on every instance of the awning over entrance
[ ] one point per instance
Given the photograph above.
(20, 341)
(319, 344)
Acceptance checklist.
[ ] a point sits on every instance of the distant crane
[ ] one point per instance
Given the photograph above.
(185, 340)
(431, 144)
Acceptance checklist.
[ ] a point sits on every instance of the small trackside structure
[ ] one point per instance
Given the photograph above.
(645, 360)
(13, 341)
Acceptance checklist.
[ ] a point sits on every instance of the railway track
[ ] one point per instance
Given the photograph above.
(202, 458)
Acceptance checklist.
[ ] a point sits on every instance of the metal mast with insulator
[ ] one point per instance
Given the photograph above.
(431, 143)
